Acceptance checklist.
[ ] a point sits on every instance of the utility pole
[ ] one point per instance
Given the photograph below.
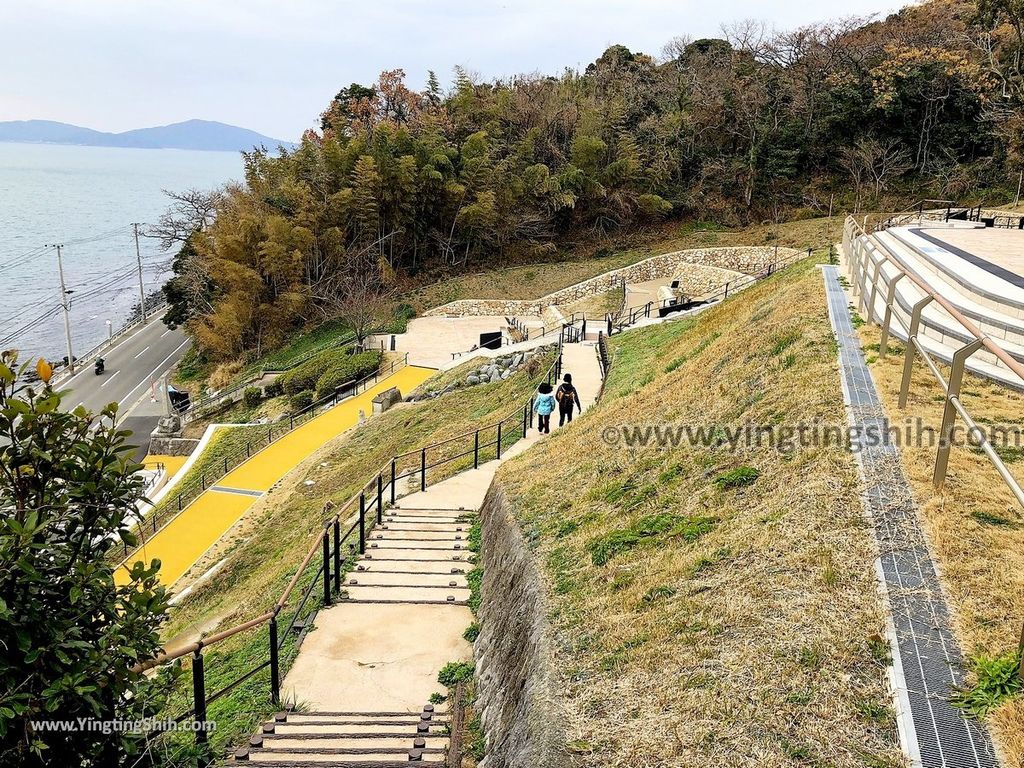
(65, 303)
(138, 259)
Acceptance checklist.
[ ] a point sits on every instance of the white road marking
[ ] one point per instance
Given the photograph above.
(153, 373)
(109, 379)
(165, 333)
(142, 353)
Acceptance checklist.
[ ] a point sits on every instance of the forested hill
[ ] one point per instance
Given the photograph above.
(755, 126)
(191, 134)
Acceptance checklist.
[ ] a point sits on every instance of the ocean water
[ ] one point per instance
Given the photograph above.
(86, 198)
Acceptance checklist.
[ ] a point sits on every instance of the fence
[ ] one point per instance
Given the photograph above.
(330, 555)
(169, 508)
(620, 320)
(869, 281)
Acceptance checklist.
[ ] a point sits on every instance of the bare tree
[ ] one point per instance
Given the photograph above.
(360, 295)
(872, 162)
(189, 212)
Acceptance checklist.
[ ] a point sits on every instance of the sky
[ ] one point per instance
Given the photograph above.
(273, 65)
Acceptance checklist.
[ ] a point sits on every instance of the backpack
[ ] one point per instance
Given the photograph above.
(565, 396)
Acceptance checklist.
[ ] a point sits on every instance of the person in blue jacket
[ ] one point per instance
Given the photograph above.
(544, 405)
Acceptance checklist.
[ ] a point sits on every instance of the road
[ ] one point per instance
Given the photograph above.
(134, 366)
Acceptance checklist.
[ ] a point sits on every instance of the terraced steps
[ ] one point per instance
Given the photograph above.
(939, 333)
(350, 739)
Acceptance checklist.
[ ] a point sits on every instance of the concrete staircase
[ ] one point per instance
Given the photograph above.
(997, 308)
(350, 739)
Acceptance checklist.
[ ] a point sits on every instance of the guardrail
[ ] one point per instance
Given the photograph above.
(170, 509)
(869, 281)
(329, 556)
(107, 343)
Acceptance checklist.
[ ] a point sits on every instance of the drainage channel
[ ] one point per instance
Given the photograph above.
(927, 657)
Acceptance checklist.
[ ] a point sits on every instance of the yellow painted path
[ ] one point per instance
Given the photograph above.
(180, 543)
(171, 463)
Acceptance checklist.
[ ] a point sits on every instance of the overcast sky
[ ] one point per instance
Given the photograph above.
(272, 65)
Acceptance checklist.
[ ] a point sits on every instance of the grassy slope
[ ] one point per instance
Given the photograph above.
(728, 626)
(531, 281)
(282, 527)
(974, 524)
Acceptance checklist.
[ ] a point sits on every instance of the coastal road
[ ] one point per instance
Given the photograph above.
(134, 366)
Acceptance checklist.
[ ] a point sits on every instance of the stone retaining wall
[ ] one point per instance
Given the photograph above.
(517, 701)
(745, 259)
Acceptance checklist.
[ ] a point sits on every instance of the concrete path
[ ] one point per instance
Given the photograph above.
(405, 611)
(431, 341)
(180, 543)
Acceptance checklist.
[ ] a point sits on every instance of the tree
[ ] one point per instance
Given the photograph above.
(360, 295)
(70, 634)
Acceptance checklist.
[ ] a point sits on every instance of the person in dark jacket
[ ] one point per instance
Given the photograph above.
(544, 404)
(567, 398)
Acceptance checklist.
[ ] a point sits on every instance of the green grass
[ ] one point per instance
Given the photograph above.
(257, 569)
(704, 582)
(281, 359)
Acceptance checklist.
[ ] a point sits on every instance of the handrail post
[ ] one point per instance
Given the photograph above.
(393, 473)
(908, 359)
(362, 523)
(476, 450)
(199, 699)
(890, 299)
(423, 469)
(380, 497)
(956, 377)
(337, 555)
(869, 303)
(498, 444)
(275, 667)
(327, 566)
(526, 409)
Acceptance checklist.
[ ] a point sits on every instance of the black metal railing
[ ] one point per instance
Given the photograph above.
(164, 512)
(332, 554)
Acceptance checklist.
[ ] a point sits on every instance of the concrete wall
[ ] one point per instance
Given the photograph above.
(703, 267)
(518, 703)
(172, 446)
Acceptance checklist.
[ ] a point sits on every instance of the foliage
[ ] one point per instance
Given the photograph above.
(997, 679)
(70, 634)
(741, 129)
(739, 477)
(348, 370)
(252, 396)
(305, 376)
(455, 672)
(301, 400)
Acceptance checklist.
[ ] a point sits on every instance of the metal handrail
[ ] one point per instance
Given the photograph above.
(329, 572)
(866, 282)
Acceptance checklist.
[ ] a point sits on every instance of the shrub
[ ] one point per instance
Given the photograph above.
(301, 400)
(400, 322)
(472, 633)
(252, 397)
(273, 389)
(352, 368)
(455, 672)
(305, 376)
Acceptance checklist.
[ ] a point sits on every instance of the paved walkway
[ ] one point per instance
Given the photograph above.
(180, 543)
(403, 619)
(926, 657)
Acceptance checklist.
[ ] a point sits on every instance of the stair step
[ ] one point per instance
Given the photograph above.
(354, 730)
(367, 744)
(423, 526)
(314, 761)
(383, 601)
(430, 567)
(407, 579)
(389, 545)
(402, 555)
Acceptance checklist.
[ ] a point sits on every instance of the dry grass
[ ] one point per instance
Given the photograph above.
(586, 260)
(741, 626)
(597, 305)
(974, 524)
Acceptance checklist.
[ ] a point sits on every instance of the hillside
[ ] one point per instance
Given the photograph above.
(702, 604)
(190, 134)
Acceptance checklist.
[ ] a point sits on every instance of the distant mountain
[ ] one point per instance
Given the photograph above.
(191, 134)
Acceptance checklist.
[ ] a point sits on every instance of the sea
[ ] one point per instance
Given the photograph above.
(86, 198)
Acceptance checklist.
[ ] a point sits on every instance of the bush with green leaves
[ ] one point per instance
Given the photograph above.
(304, 376)
(252, 397)
(300, 400)
(352, 368)
(70, 633)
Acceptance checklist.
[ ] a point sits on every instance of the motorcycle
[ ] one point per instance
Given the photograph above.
(99, 366)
